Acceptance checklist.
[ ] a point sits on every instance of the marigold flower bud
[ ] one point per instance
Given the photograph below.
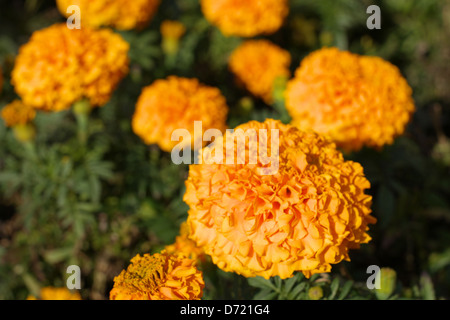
(388, 282)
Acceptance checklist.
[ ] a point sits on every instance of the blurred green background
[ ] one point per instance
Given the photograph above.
(97, 207)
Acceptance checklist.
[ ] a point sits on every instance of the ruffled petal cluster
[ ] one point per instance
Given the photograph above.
(355, 100)
(305, 216)
(257, 64)
(119, 14)
(176, 103)
(185, 246)
(52, 293)
(17, 113)
(60, 66)
(247, 18)
(161, 276)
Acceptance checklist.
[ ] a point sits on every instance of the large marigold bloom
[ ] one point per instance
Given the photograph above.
(185, 246)
(120, 14)
(17, 113)
(52, 293)
(257, 64)
(246, 18)
(303, 217)
(59, 66)
(176, 103)
(161, 276)
(356, 100)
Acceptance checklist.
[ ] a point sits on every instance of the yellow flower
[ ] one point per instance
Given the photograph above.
(257, 64)
(172, 29)
(171, 32)
(120, 14)
(246, 18)
(355, 100)
(59, 67)
(175, 103)
(161, 276)
(52, 293)
(185, 246)
(17, 113)
(304, 217)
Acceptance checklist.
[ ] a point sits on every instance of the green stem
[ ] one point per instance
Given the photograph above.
(82, 109)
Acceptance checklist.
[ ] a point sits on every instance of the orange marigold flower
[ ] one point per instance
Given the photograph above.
(161, 276)
(304, 217)
(52, 293)
(185, 246)
(355, 100)
(17, 113)
(257, 64)
(59, 66)
(172, 29)
(119, 14)
(246, 18)
(175, 103)
(171, 32)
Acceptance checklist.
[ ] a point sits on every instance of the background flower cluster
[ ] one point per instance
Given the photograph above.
(97, 187)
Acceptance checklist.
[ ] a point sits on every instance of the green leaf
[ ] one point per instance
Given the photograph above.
(260, 282)
(426, 287)
(58, 255)
(345, 290)
(289, 283)
(265, 294)
(296, 291)
(334, 288)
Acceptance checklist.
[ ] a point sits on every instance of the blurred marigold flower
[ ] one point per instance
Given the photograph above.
(52, 293)
(175, 103)
(171, 32)
(246, 18)
(304, 217)
(59, 66)
(257, 64)
(185, 246)
(119, 14)
(17, 113)
(161, 276)
(355, 100)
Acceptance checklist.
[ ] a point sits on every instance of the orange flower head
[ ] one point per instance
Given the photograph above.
(305, 216)
(257, 64)
(246, 18)
(176, 103)
(52, 293)
(17, 113)
(172, 29)
(185, 246)
(119, 14)
(355, 100)
(60, 66)
(161, 276)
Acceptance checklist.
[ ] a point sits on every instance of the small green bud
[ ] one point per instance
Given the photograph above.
(315, 293)
(24, 132)
(388, 279)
